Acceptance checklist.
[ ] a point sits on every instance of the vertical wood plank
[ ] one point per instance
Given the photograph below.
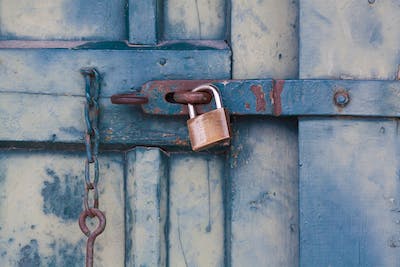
(349, 184)
(146, 207)
(196, 236)
(264, 193)
(349, 192)
(264, 38)
(143, 21)
(40, 202)
(196, 19)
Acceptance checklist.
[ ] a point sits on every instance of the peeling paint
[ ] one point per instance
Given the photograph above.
(260, 97)
(29, 255)
(62, 198)
(275, 96)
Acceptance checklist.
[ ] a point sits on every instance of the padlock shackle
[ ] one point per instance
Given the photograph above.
(210, 88)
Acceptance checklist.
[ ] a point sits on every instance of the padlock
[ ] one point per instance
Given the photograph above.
(210, 128)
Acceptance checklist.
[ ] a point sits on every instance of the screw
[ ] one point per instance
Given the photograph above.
(341, 98)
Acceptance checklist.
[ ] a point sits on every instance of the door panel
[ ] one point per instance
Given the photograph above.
(196, 210)
(348, 166)
(349, 186)
(41, 199)
(263, 197)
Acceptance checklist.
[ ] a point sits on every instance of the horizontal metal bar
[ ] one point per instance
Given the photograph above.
(285, 97)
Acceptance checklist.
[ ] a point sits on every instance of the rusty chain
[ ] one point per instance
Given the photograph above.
(92, 140)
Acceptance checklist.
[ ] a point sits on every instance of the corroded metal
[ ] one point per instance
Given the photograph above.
(129, 99)
(270, 97)
(92, 212)
(194, 98)
(92, 140)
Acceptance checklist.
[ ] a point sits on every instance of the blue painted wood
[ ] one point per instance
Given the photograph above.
(144, 21)
(195, 20)
(349, 192)
(35, 81)
(263, 197)
(56, 71)
(196, 210)
(264, 38)
(349, 39)
(40, 202)
(63, 20)
(146, 207)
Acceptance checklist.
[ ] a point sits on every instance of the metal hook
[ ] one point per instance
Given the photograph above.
(91, 235)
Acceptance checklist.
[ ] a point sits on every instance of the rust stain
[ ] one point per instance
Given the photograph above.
(247, 105)
(275, 95)
(260, 97)
(181, 142)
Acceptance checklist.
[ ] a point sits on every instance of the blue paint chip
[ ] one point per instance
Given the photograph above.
(29, 255)
(63, 199)
(66, 254)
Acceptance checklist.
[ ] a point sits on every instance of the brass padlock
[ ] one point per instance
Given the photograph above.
(210, 128)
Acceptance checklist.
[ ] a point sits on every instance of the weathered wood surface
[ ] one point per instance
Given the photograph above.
(56, 71)
(349, 192)
(198, 19)
(196, 210)
(146, 207)
(49, 107)
(41, 199)
(144, 21)
(59, 119)
(349, 167)
(63, 20)
(262, 203)
(349, 39)
(263, 196)
(264, 38)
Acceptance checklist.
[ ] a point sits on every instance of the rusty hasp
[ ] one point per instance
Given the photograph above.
(276, 97)
(129, 99)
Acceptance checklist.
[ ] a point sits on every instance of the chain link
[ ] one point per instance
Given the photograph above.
(92, 111)
(92, 140)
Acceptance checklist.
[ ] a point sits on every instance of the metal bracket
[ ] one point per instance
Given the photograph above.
(283, 97)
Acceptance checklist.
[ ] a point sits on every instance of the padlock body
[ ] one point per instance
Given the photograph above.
(209, 129)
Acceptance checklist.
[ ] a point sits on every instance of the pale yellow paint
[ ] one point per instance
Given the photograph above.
(264, 38)
(22, 206)
(194, 19)
(191, 244)
(339, 42)
(48, 19)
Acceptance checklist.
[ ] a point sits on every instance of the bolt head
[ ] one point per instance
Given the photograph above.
(341, 98)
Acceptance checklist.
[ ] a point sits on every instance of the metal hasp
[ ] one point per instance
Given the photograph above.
(279, 97)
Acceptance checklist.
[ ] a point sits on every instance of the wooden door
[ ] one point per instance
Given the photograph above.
(308, 191)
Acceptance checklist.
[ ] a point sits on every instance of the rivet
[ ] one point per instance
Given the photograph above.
(341, 98)
(162, 61)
